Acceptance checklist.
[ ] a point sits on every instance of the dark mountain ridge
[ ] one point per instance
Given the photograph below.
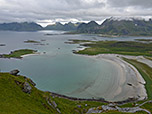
(65, 27)
(111, 26)
(24, 26)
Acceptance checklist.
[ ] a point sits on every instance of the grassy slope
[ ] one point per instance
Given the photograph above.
(19, 53)
(117, 47)
(14, 101)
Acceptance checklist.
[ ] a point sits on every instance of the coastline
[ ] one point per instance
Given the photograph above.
(130, 84)
(26, 55)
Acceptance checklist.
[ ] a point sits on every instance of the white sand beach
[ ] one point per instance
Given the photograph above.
(127, 84)
(30, 55)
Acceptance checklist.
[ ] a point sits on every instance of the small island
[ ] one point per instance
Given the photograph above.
(31, 41)
(18, 53)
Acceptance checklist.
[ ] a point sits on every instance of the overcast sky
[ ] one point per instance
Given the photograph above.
(50, 11)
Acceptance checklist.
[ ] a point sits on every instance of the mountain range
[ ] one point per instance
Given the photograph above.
(114, 26)
(65, 27)
(111, 26)
(25, 26)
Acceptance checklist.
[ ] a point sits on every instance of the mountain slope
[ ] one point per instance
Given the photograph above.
(132, 27)
(90, 27)
(113, 26)
(25, 26)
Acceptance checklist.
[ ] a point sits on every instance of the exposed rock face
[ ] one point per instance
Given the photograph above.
(27, 88)
(31, 82)
(14, 72)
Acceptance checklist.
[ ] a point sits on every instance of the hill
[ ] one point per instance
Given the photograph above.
(25, 26)
(20, 96)
(117, 26)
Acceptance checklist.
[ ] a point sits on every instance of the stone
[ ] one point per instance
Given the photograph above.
(54, 103)
(31, 82)
(27, 88)
(14, 72)
(58, 111)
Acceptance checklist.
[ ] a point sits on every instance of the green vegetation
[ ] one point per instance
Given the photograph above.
(14, 101)
(150, 58)
(134, 27)
(117, 47)
(18, 53)
(25, 26)
(31, 41)
(147, 40)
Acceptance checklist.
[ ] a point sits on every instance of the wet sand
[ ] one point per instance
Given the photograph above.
(128, 83)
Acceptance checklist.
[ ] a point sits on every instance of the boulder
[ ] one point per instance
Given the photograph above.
(27, 88)
(14, 72)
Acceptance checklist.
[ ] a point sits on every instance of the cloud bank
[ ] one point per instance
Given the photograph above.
(44, 11)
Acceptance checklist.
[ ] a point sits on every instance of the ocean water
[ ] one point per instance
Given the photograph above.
(58, 69)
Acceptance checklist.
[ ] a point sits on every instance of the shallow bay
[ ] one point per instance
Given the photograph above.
(58, 69)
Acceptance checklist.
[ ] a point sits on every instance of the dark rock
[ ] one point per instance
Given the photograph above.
(31, 82)
(14, 72)
(2, 44)
(129, 84)
(27, 88)
(17, 82)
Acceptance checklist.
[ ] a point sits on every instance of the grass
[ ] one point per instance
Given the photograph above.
(150, 58)
(14, 101)
(19, 53)
(147, 40)
(117, 47)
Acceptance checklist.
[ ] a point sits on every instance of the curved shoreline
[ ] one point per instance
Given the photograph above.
(130, 83)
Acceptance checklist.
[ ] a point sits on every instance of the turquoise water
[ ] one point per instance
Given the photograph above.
(59, 70)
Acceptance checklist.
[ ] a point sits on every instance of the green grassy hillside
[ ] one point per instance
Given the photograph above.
(14, 101)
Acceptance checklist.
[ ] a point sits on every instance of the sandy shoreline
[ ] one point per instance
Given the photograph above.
(130, 84)
(30, 55)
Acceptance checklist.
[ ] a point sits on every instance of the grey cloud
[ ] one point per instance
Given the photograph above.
(39, 10)
(131, 3)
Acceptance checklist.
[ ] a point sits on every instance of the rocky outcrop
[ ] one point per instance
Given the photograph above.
(113, 107)
(14, 72)
(27, 88)
(31, 82)
(53, 105)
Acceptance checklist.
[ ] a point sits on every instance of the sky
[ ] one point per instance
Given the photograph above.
(50, 11)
